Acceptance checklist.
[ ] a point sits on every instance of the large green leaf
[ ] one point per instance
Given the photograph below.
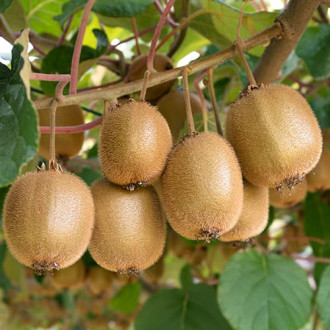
(321, 107)
(70, 8)
(314, 49)
(4, 4)
(3, 193)
(18, 129)
(40, 13)
(176, 309)
(115, 8)
(127, 299)
(323, 298)
(259, 291)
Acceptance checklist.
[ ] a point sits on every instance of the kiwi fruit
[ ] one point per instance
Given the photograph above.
(135, 141)
(176, 244)
(129, 233)
(254, 217)
(99, 279)
(275, 135)
(202, 188)
(172, 106)
(161, 63)
(70, 277)
(319, 178)
(48, 219)
(67, 145)
(154, 273)
(195, 255)
(286, 198)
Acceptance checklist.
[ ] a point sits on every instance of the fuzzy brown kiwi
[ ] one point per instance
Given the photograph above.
(70, 277)
(202, 188)
(99, 279)
(48, 219)
(176, 244)
(254, 217)
(319, 178)
(135, 141)
(288, 197)
(154, 273)
(67, 145)
(275, 135)
(161, 63)
(129, 233)
(195, 255)
(172, 106)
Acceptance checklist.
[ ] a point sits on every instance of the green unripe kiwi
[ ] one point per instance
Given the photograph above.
(254, 217)
(285, 198)
(275, 135)
(161, 63)
(48, 219)
(135, 141)
(66, 145)
(129, 233)
(202, 188)
(172, 106)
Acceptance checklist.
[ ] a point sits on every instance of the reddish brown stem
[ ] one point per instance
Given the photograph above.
(50, 77)
(145, 85)
(72, 129)
(65, 31)
(313, 259)
(78, 47)
(136, 36)
(190, 117)
(197, 80)
(152, 50)
(52, 157)
(161, 10)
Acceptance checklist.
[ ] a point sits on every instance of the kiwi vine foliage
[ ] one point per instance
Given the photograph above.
(193, 287)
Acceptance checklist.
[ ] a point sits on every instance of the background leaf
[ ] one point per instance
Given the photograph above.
(4, 5)
(127, 299)
(323, 298)
(255, 292)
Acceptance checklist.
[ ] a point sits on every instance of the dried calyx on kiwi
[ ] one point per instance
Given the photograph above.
(254, 217)
(48, 219)
(135, 141)
(67, 145)
(275, 135)
(129, 233)
(202, 188)
(161, 63)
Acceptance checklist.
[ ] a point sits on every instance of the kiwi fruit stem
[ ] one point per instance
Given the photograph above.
(214, 100)
(145, 85)
(239, 45)
(202, 99)
(52, 113)
(190, 118)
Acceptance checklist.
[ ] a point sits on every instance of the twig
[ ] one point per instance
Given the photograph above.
(273, 31)
(52, 157)
(73, 129)
(152, 50)
(214, 100)
(65, 31)
(50, 77)
(190, 117)
(313, 259)
(145, 85)
(78, 47)
(197, 80)
(161, 10)
(136, 35)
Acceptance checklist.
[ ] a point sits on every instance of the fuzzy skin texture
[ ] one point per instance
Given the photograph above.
(70, 277)
(172, 106)
(66, 145)
(154, 273)
(161, 63)
(129, 228)
(319, 178)
(48, 217)
(275, 135)
(288, 197)
(99, 279)
(135, 141)
(254, 217)
(202, 186)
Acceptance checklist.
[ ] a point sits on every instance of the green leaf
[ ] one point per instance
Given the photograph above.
(321, 106)
(323, 298)
(127, 299)
(18, 129)
(89, 175)
(4, 281)
(3, 193)
(176, 309)
(68, 9)
(264, 292)
(186, 278)
(115, 8)
(40, 13)
(314, 49)
(4, 5)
